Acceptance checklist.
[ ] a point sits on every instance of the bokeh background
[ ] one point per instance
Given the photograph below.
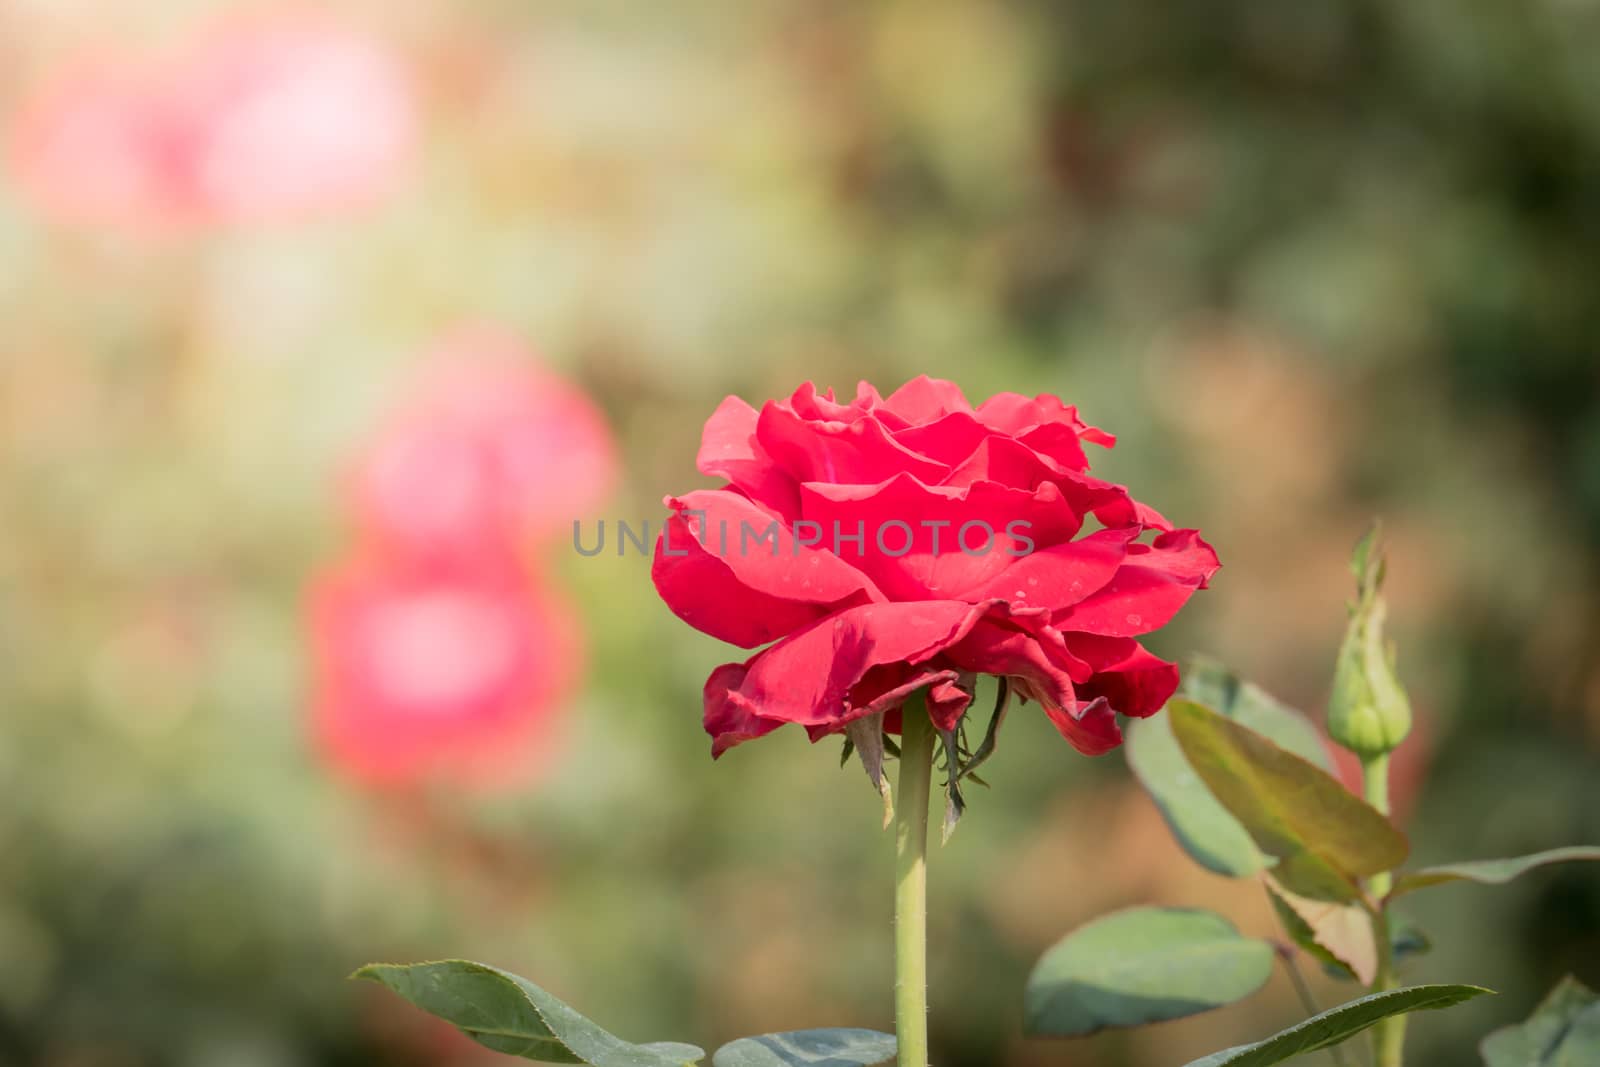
(1312, 262)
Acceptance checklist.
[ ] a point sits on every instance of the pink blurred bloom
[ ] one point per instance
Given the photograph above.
(99, 146)
(488, 448)
(447, 673)
(252, 120)
(294, 116)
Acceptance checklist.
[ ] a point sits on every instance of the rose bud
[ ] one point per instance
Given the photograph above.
(1368, 710)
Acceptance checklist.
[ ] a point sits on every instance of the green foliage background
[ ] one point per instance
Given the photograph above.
(1310, 261)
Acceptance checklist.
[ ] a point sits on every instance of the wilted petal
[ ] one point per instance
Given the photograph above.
(728, 719)
(1090, 726)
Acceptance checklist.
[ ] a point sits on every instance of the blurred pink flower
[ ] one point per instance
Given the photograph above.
(257, 119)
(488, 448)
(294, 115)
(99, 146)
(439, 672)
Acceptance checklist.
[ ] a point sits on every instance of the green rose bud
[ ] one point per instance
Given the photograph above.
(1368, 711)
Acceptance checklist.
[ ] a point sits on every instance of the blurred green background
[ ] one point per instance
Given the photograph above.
(1312, 262)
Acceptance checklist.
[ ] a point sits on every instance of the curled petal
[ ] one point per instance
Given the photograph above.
(1013, 413)
(1059, 442)
(809, 404)
(727, 720)
(858, 452)
(1007, 648)
(1132, 680)
(1146, 592)
(1090, 726)
(883, 689)
(1183, 554)
(809, 676)
(925, 399)
(729, 449)
(735, 571)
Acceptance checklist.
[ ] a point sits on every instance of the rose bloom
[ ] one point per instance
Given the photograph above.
(854, 626)
(256, 119)
(487, 446)
(438, 672)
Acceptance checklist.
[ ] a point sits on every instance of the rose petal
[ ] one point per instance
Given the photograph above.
(1007, 648)
(1145, 595)
(1133, 680)
(947, 440)
(807, 678)
(1015, 414)
(1058, 442)
(923, 524)
(729, 721)
(737, 572)
(887, 687)
(1091, 726)
(729, 449)
(1061, 575)
(808, 403)
(1183, 554)
(924, 399)
(703, 591)
(860, 452)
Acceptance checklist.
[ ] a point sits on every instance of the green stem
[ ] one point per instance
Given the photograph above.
(1389, 1035)
(1308, 999)
(911, 885)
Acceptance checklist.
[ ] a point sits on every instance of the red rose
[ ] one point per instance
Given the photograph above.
(972, 559)
(429, 671)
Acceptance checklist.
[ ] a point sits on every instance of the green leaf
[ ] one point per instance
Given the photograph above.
(512, 1015)
(1406, 941)
(1340, 935)
(1208, 682)
(1323, 836)
(1338, 1024)
(1564, 1031)
(1142, 965)
(1202, 825)
(809, 1048)
(1490, 872)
